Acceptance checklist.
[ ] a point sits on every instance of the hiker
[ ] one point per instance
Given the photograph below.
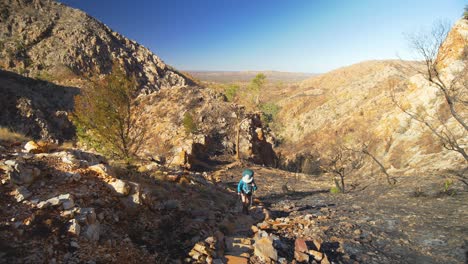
(245, 189)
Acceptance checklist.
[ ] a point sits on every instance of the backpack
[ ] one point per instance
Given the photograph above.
(247, 188)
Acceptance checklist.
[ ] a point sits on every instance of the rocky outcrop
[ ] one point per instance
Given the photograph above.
(362, 103)
(189, 127)
(48, 40)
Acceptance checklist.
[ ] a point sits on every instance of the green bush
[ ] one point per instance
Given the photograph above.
(335, 190)
(189, 124)
(231, 92)
(269, 112)
(105, 116)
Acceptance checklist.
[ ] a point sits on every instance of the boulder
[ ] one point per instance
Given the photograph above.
(318, 243)
(101, 169)
(263, 248)
(22, 193)
(203, 249)
(39, 147)
(31, 147)
(120, 187)
(300, 245)
(301, 257)
(325, 260)
(316, 254)
(67, 201)
(21, 174)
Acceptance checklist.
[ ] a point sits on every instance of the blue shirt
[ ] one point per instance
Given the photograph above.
(241, 185)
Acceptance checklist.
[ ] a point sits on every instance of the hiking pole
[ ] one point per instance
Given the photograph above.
(251, 198)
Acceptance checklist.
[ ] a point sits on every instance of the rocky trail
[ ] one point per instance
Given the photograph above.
(411, 222)
(70, 206)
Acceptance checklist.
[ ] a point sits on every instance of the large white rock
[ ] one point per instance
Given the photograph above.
(20, 173)
(263, 248)
(67, 201)
(120, 187)
(22, 193)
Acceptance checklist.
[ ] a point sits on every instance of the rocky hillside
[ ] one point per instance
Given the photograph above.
(56, 48)
(48, 40)
(36, 108)
(356, 101)
(70, 206)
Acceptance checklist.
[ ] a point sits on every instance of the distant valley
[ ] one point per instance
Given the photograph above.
(245, 76)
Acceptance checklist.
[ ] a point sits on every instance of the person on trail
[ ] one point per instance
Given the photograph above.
(245, 189)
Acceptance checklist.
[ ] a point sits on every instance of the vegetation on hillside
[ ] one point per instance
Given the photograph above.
(254, 95)
(105, 116)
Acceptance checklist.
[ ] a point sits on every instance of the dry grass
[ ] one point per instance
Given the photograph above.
(10, 136)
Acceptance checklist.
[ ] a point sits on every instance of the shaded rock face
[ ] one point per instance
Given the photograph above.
(49, 40)
(214, 132)
(35, 108)
(256, 142)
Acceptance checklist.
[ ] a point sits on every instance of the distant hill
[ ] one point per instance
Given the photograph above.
(245, 76)
(48, 40)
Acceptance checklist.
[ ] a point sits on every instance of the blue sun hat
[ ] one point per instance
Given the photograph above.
(247, 176)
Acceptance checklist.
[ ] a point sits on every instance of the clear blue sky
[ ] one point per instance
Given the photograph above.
(286, 35)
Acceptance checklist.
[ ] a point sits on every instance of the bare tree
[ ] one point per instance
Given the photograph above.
(341, 161)
(453, 87)
(365, 150)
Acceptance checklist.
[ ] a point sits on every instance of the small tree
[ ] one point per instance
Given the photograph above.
(256, 86)
(336, 157)
(189, 124)
(106, 115)
(231, 92)
(465, 14)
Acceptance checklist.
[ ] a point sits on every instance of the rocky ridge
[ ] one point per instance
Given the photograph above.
(48, 40)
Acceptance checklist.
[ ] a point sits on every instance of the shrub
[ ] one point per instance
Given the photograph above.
(335, 190)
(106, 117)
(189, 124)
(269, 112)
(231, 92)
